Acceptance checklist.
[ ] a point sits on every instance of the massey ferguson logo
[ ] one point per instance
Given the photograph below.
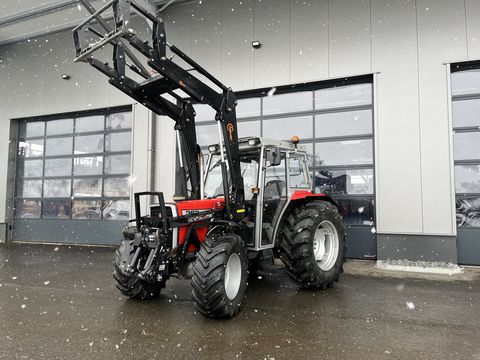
(193, 212)
(198, 215)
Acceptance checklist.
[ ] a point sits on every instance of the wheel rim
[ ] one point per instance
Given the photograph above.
(326, 245)
(233, 276)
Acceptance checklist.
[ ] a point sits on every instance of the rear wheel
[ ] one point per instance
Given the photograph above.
(313, 245)
(219, 277)
(127, 281)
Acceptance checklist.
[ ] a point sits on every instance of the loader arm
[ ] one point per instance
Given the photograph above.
(167, 77)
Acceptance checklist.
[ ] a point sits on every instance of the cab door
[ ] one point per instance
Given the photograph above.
(273, 198)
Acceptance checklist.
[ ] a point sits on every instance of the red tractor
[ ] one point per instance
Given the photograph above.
(252, 199)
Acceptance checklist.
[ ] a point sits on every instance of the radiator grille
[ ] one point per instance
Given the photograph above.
(155, 211)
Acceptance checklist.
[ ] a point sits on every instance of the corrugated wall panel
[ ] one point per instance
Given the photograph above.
(473, 28)
(237, 36)
(206, 35)
(441, 37)
(349, 37)
(394, 55)
(272, 65)
(308, 40)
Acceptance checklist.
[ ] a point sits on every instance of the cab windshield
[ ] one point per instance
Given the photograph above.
(249, 171)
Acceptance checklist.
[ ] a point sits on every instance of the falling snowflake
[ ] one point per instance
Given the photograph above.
(410, 305)
(272, 91)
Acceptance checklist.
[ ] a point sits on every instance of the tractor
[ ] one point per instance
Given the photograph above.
(250, 202)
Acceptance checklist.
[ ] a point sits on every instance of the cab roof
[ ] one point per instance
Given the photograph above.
(252, 142)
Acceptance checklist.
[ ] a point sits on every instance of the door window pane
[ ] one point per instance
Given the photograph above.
(466, 113)
(116, 187)
(89, 123)
(30, 188)
(56, 188)
(116, 210)
(58, 127)
(56, 209)
(87, 187)
(118, 141)
(30, 148)
(248, 107)
(248, 128)
(343, 123)
(58, 146)
(467, 179)
(348, 152)
(466, 145)
(88, 165)
(343, 96)
(119, 121)
(34, 128)
(28, 209)
(298, 176)
(468, 212)
(118, 164)
(30, 168)
(287, 103)
(88, 144)
(357, 211)
(285, 128)
(86, 209)
(58, 167)
(344, 181)
(466, 82)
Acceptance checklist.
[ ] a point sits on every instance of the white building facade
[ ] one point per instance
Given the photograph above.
(385, 94)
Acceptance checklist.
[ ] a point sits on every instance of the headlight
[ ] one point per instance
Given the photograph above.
(253, 142)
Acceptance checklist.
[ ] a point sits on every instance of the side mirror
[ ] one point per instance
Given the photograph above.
(274, 156)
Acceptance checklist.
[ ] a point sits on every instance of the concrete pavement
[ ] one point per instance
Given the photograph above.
(60, 302)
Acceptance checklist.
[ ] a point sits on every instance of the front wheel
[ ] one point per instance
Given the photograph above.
(313, 245)
(127, 281)
(219, 277)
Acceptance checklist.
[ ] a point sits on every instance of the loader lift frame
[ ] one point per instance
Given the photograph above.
(170, 77)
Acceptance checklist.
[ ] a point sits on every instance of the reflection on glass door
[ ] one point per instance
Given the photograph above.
(72, 168)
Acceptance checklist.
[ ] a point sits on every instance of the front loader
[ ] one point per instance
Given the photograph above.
(253, 197)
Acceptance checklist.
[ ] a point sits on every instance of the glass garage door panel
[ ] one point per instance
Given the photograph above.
(344, 152)
(335, 125)
(72, 178)
(465, 81)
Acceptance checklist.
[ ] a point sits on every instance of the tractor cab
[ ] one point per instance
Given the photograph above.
(272, 172)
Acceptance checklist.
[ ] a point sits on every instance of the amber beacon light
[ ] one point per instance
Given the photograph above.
(295, 140)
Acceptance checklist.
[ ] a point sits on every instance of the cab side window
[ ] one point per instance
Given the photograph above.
(297, 172)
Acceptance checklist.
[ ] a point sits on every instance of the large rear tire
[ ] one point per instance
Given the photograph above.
(219, 277)
(313, 245)
(127, 282)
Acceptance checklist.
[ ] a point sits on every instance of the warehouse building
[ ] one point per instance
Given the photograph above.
(384, 94)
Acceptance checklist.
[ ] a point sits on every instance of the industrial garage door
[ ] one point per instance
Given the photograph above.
(334, 121)
(72, 177)
(465, 81)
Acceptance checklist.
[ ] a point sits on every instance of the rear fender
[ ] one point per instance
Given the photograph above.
(304, 196)
(298, 198)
